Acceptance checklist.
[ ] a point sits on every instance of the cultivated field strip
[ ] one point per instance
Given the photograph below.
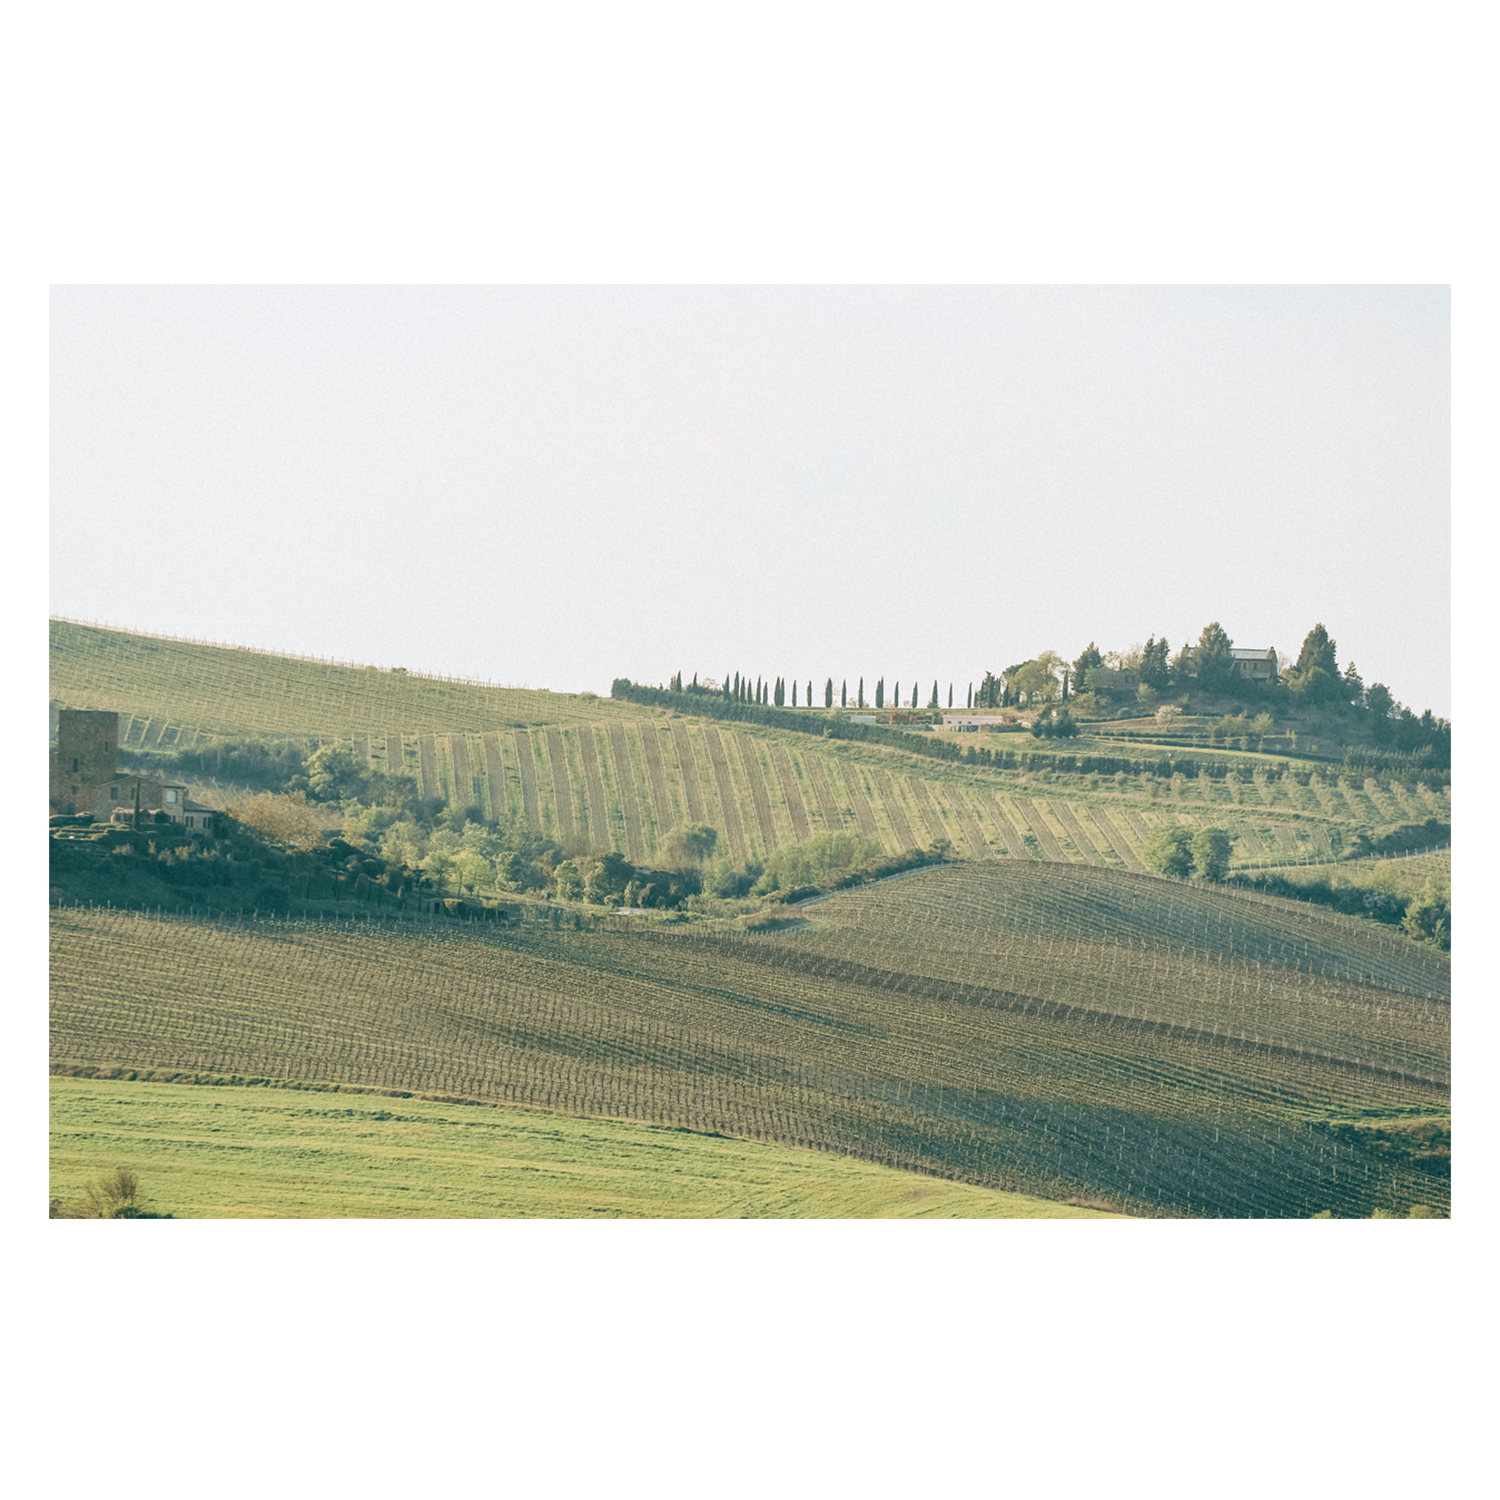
(760, 796)
(885, 789)
(599, 831)
(562, 785)
(625, 779)
(463, 779)
(791, 792)
(697, 808)
(497, 803)
(828, 807)
(1007, 1082)
(729, 802)
(530, 797)
(864, 817)
(1117, 840)
(926, 810)
(1071, 826)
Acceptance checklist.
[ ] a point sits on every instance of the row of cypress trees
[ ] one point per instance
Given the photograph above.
(767, 692)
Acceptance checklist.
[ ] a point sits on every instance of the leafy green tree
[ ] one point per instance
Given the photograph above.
(1169, 851)
(1380, 704)
(1211, 850)
(1212, 662)
(1088, 658)
(333, 774)
(1182, 666)
(605, 878)
(567, 883)
(689, 846)
(1156, 674)
(1429, 916)
(472, 869)
(1316, 673)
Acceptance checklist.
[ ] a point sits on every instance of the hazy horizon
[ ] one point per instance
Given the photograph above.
(560, 485)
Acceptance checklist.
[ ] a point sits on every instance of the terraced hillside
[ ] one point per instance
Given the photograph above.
(618, 775)
(1074, 1033)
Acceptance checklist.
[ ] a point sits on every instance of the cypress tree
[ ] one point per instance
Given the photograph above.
(809, 692)
(728, 689)
(861, 692)
(736, 686)
(934, 702)
(844, 694)
(880, 693)
(970, 704)
(794, 694)
(828, 694)
(950, 695)
(896, 696)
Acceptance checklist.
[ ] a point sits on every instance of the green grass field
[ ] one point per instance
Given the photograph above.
(235, 1152)
(1064, 1032)
(615, 775)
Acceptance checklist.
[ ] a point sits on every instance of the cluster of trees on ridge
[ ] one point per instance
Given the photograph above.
(1092, 681)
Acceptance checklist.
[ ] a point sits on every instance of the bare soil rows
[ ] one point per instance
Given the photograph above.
(1038, 825)
(730, 804)
(1136, 823)
(598, 806)
(978, 844)
(494, 772)
(1081, 841)
(864, 818)
(682, 742)
(1117, 840)
(635, 843)
(896, 814)
(927, 810)
(427, 753)
(463, 776)
(562, 786)
(526, 764)
(828, 807)
(1286, 840)
(1010, 840)
(656, 777)
(791, 792)
(760, 797)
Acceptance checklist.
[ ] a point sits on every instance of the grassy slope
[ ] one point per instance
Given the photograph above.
(171, 692)
(230, 1152)
(1064, 1032)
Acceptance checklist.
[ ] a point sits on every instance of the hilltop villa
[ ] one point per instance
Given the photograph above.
(1255, 664)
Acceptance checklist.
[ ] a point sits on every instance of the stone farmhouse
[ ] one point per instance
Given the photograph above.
(1254, 663)
(83, 777)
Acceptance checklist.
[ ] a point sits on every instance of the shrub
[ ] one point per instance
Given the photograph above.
(112, 1196)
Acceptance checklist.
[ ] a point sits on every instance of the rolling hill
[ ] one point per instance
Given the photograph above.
(600, 774)
(1064, 1032)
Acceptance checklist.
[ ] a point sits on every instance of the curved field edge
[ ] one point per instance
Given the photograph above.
(235, 1151)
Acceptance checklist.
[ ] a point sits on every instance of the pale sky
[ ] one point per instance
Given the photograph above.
(558, 485)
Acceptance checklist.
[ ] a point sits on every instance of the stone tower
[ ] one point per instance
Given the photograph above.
(84, 760)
